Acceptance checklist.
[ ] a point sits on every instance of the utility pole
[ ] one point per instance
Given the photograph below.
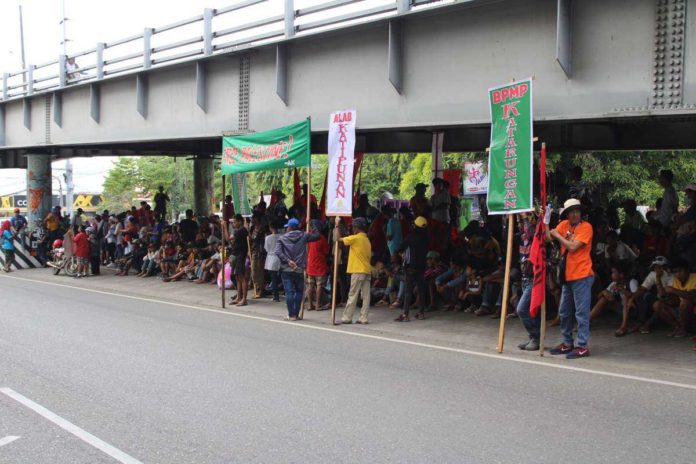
(21, 43)
(69, 186)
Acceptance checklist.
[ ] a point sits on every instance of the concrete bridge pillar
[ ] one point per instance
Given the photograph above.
(203, 192)
(39, 190)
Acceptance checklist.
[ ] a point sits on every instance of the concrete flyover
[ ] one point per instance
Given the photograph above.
(609, 75)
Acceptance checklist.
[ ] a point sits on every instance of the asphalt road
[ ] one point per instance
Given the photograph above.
(166, 384)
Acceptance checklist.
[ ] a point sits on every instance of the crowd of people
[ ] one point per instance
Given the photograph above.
(415, 259)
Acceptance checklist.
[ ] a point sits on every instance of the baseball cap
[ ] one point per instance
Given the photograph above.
(421, 222)
(421, 185)
(691, 187)
(360, 222)
(432, 255)
(292, 223)
(659, 261)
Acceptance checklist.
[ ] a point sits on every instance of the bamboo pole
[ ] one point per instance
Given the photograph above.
(506, 283)
(223, 232)
(334, 280)
(308, 217)
(543, 326)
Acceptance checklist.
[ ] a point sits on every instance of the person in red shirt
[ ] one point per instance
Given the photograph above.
(377, 234)
(317, 268)
(81, 247)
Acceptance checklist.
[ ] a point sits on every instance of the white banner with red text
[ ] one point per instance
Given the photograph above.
(339, 187)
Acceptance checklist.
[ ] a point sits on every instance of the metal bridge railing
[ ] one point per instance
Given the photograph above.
(144, 51)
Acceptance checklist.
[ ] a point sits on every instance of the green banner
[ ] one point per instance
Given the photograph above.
(282, 148)
(510, 161)
(239, 194)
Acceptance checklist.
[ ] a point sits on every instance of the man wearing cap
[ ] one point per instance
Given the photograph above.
(291, 250)
(440, 202)
(651, 290)
(359, 268)
(677, 312)
(415, 265)
(575, 237)
(419, 203)
(18, 222)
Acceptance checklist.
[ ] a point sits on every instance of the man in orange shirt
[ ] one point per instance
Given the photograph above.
(575, 237)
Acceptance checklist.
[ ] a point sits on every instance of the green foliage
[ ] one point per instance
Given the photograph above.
(619, 176)
(131, 178)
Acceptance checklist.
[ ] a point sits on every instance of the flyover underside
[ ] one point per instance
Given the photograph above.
(624, 82)
(626, 134)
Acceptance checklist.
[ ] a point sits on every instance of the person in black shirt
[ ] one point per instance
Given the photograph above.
(188, 227)
(238, 254)
(417, 245)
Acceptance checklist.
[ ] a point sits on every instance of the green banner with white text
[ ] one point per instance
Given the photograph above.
(282, 148)
(510, 161)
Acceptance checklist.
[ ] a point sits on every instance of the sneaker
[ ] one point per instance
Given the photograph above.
(579, 352)
(523, 345)
(402, 318)
(533, 345)
(561, 349)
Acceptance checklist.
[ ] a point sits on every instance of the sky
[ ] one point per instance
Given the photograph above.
(89, 22)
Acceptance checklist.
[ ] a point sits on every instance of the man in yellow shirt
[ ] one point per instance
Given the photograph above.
(360, 269)
(684, 288)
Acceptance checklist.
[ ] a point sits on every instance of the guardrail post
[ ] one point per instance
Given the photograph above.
(30, 80)
(402, 6)
(147, 44)
(62, 71)
(5, 76)
(208, 14)
(100, 60)
(289, 18)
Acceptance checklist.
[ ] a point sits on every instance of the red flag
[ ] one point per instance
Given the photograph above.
(322, 202)
(357, 168)
(537, 255)
(296, 188)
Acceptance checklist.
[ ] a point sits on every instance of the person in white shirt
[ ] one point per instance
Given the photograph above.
(440, 202)
(272, 263)
(620, 290)
(670, 200)
(651, 290)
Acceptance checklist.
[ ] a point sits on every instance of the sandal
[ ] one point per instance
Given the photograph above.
(395, 305)
(402, 318)
(620, 332)
(420, 315)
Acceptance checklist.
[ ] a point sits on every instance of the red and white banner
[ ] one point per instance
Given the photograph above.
(339, 187)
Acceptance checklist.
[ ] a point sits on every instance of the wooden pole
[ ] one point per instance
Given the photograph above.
(506, 283)
(308, 217)
(334, 280)
(223, 232)
(250, 259)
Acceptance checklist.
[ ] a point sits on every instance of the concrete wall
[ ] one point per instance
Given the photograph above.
(451, 56)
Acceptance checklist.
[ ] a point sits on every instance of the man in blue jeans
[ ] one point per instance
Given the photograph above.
(575, 236)
(291, 250)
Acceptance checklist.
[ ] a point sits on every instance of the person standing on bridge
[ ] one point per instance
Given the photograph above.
(575, 236)
(7, 235)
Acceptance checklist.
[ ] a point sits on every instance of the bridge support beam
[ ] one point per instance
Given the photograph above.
(39, 190)
(203, 191)
(395, 55)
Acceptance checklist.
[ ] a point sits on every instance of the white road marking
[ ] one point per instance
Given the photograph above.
(83, 435)
(377, 337)
(8, 439)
